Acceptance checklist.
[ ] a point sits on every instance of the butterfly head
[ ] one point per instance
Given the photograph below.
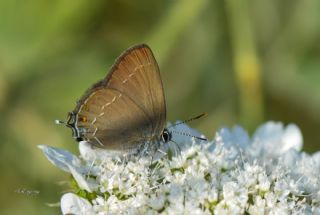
(166, 135)
(71, 123)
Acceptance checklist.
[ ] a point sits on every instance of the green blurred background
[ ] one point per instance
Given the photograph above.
(243, 62)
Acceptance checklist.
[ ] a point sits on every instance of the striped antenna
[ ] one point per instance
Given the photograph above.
(188, 120)
(188, 135)
(185, 121)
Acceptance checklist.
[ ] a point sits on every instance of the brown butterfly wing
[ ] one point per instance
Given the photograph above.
(127, 107)
(140, 80)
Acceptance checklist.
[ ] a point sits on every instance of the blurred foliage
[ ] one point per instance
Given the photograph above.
(243, 62)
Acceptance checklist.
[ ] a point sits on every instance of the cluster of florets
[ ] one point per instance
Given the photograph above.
(232, 174)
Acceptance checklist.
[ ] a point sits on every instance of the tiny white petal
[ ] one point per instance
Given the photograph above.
(157, 202)
(291, 157)
(292, 138)
(268, 136)
(241, 136)
(86, 150)
(316, 210)
(222, 208)
(235, 137)
(73, 204)
(258, 207)
(90, 153)
(81, 180)
(274, 139)
(59, 157)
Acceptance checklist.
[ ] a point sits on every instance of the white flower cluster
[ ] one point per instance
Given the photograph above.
(233, 174)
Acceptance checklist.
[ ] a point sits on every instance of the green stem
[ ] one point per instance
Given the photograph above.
(246, 63)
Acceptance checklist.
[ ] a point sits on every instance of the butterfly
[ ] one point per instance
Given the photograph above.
(125, 109)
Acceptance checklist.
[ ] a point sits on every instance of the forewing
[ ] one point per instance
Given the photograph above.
(128, 106)
(136, 74)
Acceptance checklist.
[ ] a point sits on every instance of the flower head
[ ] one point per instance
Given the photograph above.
(232, 174)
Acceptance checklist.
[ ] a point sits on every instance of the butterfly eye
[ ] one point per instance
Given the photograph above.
(166, 135)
